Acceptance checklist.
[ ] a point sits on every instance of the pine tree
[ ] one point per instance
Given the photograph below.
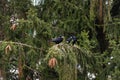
(27, 50)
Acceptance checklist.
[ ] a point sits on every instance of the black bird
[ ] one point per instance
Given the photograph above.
(58, 40)
(72, 39)
(69, 39)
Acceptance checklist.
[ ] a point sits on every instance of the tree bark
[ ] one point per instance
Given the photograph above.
(103, 43)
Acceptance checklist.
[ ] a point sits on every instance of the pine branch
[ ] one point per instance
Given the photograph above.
(19, 43)
(34, 70)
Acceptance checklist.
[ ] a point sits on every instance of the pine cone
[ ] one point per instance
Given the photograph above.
(52, 62)
(8, 48)
(13, 27)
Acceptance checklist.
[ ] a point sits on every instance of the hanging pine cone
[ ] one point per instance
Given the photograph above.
(8, 48)
(13, 27)
(52, 62)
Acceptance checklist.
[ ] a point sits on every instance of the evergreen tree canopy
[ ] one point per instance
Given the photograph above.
(27, 32)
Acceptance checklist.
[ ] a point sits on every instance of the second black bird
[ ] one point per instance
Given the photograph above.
(72, 39)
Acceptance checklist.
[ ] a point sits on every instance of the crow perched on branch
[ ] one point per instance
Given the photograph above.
(69, 39)
(58, 39)
(73, 39)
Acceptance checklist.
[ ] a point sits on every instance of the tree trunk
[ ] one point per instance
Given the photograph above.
(103, 44)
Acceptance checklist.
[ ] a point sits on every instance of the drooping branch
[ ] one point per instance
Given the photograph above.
(22, 44)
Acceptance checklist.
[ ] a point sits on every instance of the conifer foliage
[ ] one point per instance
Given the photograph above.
(28, 51)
